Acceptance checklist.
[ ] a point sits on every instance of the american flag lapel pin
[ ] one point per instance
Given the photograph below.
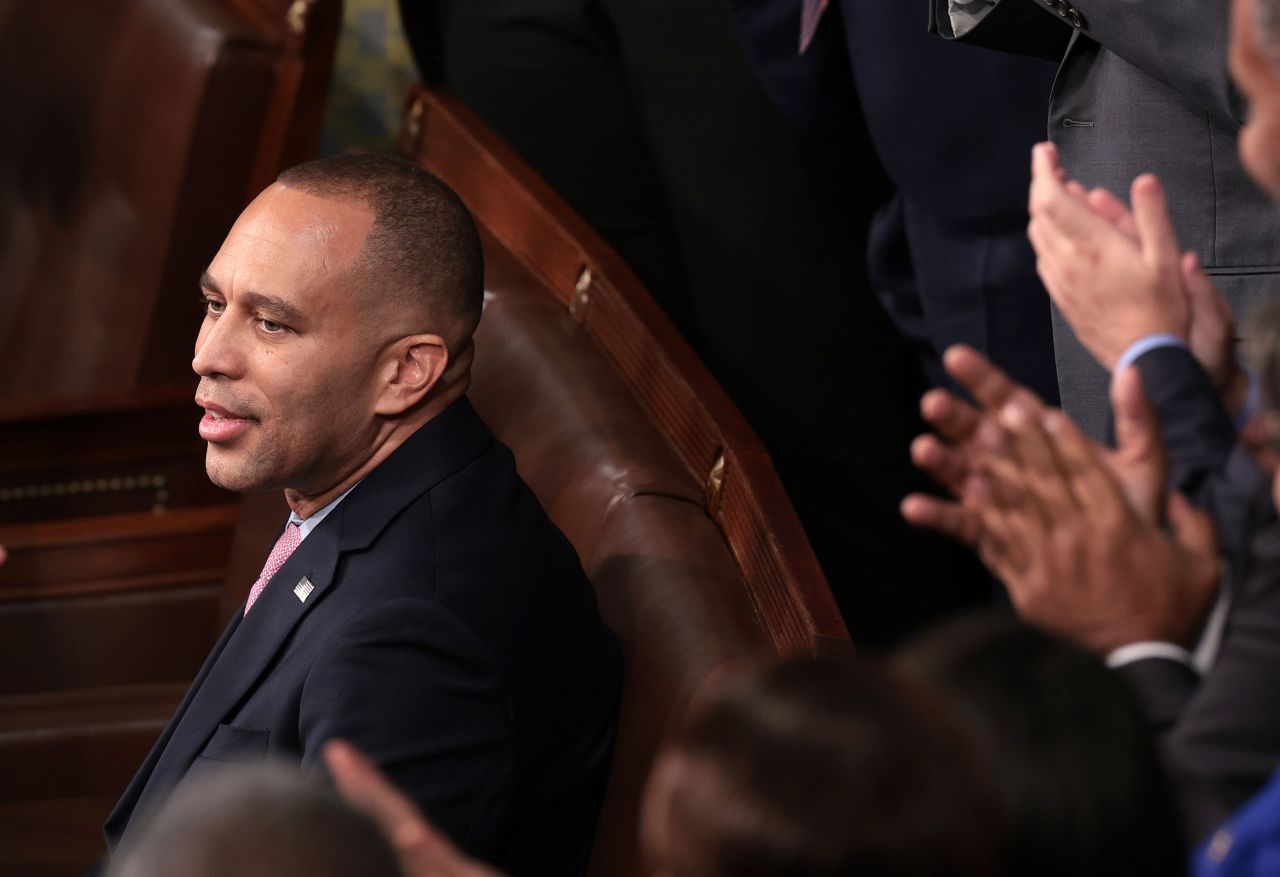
(302, 590)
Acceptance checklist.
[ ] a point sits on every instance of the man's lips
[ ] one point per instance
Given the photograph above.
(220, 424)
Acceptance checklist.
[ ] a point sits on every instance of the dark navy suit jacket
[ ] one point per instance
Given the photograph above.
(452, 635)
(953, 124)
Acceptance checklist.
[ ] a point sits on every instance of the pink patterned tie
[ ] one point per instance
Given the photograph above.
(290, 539)
(810, 15)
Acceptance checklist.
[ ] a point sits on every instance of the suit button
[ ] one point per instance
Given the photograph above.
(1062, 8)
(1052, 4)
(1076, 20)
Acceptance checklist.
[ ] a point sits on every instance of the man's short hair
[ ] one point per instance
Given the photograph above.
(423, 249)
(256, 820)
(819, 767)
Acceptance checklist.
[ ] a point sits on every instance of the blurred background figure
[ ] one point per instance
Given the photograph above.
(812, 767)
(1081, 782)
(985, 747)
(820, 766)
(749, 229)
(257, 820)
(952, 125)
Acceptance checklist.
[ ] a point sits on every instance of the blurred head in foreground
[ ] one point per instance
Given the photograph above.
(1081, 782)
(818, 766)
(259, 820)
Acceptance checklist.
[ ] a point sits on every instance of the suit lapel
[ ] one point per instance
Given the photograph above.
(247, 652)
(441, 447)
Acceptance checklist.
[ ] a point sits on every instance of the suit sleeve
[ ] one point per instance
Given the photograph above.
(417, 692)
(1226, 742)
(1197, 432)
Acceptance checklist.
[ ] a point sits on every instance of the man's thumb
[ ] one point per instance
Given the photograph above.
(1192, 528)
(1138, 443)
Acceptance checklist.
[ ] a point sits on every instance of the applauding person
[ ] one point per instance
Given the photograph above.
(1091, 544)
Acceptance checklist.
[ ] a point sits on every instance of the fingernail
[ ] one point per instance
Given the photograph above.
(1052, 421)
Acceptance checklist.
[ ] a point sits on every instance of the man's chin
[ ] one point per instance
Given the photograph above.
(230, 473)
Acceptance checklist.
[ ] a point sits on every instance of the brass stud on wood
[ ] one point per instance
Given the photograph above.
(413, 123)
(50, 489)
(715, 485)
(296, 17)
(581, 293)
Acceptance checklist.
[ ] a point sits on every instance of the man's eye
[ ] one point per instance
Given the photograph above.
(271, 327)
(212, 306)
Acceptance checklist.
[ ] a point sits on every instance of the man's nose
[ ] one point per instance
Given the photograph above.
(217, 351)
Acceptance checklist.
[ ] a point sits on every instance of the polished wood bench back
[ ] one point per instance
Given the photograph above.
(136, 131)
(636, 453)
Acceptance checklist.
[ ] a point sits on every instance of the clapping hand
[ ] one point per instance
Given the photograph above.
(1076, 533)
(1117, 275)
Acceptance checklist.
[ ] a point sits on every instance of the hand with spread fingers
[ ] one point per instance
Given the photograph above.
(1212, 335)
(1077, 555)
(1117, 274)
(969, 432)
(422, 849)
(1115, 281)
(1076, 533)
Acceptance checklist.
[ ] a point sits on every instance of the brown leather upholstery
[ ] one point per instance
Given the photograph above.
(634, 451)
(136, 130)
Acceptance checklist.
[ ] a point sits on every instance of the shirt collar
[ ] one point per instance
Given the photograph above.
(305, 527)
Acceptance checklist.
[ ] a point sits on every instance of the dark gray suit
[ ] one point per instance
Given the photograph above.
(1143, 87)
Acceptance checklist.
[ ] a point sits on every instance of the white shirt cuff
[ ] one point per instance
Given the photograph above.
(1135, 652)
(1206, 650)
(1146, 344)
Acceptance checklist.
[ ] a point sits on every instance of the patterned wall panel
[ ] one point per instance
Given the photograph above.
(372, 72)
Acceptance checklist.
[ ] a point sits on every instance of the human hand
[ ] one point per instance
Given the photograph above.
(1075, 554)
(1211, 328)
(964, 434)
(422, 849)
(951, 456)
(1113, 283)
(1212, 336)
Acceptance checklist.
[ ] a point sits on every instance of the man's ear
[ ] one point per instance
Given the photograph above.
(413, 367)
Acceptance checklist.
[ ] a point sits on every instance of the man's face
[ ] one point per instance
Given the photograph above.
(286, 354)
(1256, 76)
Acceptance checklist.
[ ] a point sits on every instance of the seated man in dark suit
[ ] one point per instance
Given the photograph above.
(418, 602)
